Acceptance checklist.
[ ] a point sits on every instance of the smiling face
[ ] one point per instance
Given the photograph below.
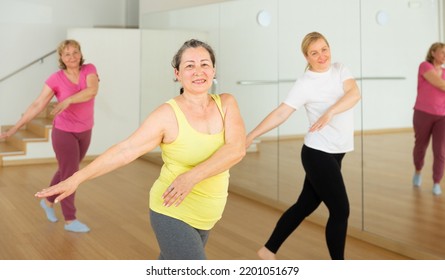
(439, 56)
(70, 54)
(196, 70)
(71, 57)
(318, 56)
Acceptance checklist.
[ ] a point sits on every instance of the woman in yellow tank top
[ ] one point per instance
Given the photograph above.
(201, 136)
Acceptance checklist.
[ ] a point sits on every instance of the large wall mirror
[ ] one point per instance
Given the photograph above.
(257, 43)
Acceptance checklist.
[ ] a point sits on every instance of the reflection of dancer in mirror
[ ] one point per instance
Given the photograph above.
(201, 136)
(328, 92)
(429, 115)
(75, 86)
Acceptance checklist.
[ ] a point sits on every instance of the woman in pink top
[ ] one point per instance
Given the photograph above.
(75, 85)
(429, 115)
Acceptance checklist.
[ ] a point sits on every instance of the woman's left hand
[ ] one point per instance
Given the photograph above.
(60, 107)
(321, 122)
(177, 191)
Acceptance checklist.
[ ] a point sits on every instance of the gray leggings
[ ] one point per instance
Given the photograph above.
(178, 240)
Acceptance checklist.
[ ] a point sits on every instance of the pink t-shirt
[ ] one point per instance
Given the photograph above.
(77, 117)
(429, 99)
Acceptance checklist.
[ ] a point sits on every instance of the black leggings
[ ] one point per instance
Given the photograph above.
(323, 183)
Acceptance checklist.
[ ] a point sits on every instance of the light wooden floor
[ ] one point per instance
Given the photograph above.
(115, 206)
(378, 179)
(392, 206)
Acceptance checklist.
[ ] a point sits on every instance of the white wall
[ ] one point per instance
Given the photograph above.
(246, 51)
(116, 54)
(149, 6)
(132, 13)
(157, 79)
(394, 50)
(30, 28)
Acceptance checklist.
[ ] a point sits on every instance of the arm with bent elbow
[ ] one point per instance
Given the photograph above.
(36, 107)
(433, 78)
(82, 96)
(271, 121)
(349, 99)
(223, 159)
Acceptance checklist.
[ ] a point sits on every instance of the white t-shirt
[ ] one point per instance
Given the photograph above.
(318, 92)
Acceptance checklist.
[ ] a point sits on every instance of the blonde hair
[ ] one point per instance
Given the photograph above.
(434, 47)
(63, 45)
(308, 40)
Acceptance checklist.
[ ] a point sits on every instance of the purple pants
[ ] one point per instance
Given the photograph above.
(428, 126)
(70, 149)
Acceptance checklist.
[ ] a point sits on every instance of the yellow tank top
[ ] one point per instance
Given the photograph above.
(204, 205)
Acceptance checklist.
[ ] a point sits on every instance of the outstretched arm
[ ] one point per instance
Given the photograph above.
(36, 107)
(82, 96)
(273, 120)
(433, 78)
(148, 136)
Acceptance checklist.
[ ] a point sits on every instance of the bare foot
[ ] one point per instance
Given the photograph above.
(265, 254)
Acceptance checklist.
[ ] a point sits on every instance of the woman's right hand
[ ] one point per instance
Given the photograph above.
(8, 133)
(64, 189)
(249, 141)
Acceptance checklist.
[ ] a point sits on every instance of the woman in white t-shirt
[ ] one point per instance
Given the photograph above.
(328, 92)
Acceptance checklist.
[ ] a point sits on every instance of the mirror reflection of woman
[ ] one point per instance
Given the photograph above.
(328, 92)
(429, 115)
